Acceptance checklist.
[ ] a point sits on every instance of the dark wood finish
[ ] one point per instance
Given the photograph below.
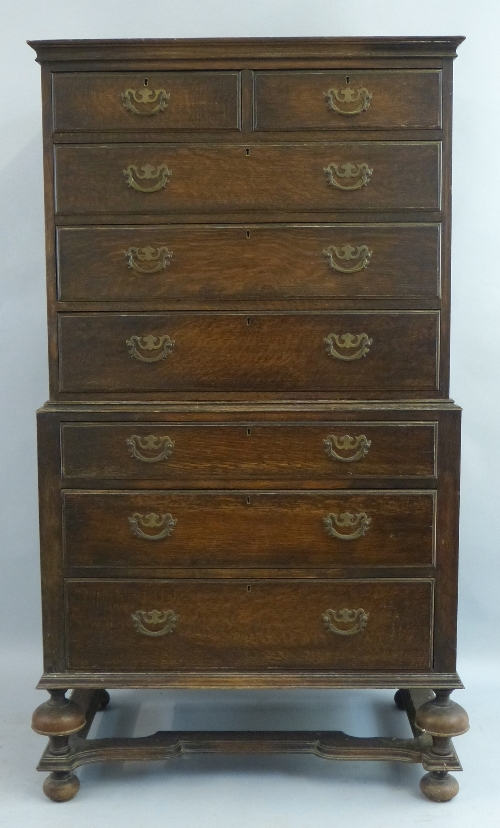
(296, 100)
(227, 625)
(212, 179)
(197, 101)
(286, 453)
(239, 50)
(249, 394)
(265, 352)
(248, 529)
(240, 263)
(62, 784)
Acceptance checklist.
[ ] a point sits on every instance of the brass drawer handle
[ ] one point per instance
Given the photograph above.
(168, 618)
(152, 521)
(359, 523)
(159, 174)
(360, 97)
(145, 97)
(360, 172)
(345, 616)
(156, 259)
(360, 341)
(359, 255)
(150, 443)
(360, 445)
(136, 344)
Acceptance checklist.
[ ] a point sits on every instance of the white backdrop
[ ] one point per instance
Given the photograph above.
(476, 284)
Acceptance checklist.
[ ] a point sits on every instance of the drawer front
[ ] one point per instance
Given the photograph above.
(321, 454)
(224, 625)
(147, 179)
(251, 529)
(347, 100)
(341, 352)
(213, 264)
(134, 101)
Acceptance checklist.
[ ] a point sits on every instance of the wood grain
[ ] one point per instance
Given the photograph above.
(211, 179)
(249, 529)
(86, 101)
(287, 453)
(261, 352)
(255, 262)
(296, 100)
(226, 625)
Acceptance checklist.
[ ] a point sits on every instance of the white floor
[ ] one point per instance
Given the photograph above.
(248, 791)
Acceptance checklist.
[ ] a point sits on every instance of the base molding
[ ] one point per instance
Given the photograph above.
(249, 681)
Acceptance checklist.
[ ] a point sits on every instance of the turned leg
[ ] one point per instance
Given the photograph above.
(442, 719)
(104, 700)
(58, 718)
(398, 700)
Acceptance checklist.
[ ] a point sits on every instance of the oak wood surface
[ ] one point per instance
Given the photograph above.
(248, 529)
(296, 100)
(260, 352)
(247, 262)
(287, 452)
(210, 178)
(226, 625)
(196, 101)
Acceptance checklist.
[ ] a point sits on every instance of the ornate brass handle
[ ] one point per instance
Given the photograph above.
(359, 522)
(345, 616)
(157, 258)
(168, 618)
(150, 443)
(348, 95)
(360, 341)
(359, 255)
(152, 521)
(360, 172)
(150, 343)
(160, 175)
(360, 445)
(145, 97)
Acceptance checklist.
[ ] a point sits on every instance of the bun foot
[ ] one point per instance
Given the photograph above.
(104, 700)
(61, 786)
(439, 786)
(398, 700)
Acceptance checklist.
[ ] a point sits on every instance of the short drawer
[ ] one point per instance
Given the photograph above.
(227, 625)
(214, 264)
(139, 179)
(341, 352)
(248, 529)
(407, 99)
(321, 454)
(136, 101)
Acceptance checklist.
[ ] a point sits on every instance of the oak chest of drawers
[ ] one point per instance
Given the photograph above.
(249, 461)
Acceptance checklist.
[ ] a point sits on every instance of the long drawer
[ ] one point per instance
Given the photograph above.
(197, 625)
(343, 352)
(353, 99)
(324, 454)
(164, 101)
(248, 529)
(169, 178)
(214, 264)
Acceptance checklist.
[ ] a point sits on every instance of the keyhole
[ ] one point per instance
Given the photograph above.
(146, 81)
(247, 151)
(249, 431)
(347, 79)
(248, 320)
(249, 588)
(248, 234)
(248, 501)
